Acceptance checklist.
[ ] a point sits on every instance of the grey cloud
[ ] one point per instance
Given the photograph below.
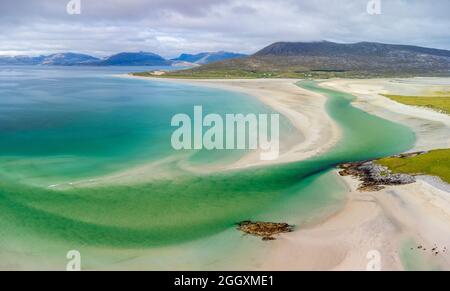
(169, 27)
(105, 9)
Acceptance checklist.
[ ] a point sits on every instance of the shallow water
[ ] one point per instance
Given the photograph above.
(58, 124)
(415, 259)
(46, 139)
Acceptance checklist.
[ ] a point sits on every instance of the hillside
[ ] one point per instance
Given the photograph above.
(67, 59)
(328, 59)
(134, 59)
(208, 57)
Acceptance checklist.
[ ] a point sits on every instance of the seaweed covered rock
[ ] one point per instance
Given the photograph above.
(266, 230)
(374, 176)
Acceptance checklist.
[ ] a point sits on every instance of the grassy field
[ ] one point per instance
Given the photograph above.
(440, 102)
(211, 72)
(231, 74)
(249, 74)
(434, 163)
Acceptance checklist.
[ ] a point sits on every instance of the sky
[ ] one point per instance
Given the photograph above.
(171, 27)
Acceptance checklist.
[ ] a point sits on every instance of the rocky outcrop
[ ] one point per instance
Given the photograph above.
(266, 230)
(374, 176)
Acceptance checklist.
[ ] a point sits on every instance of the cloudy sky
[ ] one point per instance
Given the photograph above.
(169, 27)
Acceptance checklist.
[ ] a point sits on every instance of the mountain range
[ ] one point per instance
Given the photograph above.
(120, 59)
(281, 59)
(62, 59)
(329, 59)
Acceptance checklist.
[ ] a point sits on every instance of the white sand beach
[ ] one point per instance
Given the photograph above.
(316, 131)
(432, 128)
(382, 221)
(304, 109)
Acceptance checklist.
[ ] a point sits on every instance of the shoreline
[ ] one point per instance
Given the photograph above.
(380, 221)
(305, 110)
(429, 125)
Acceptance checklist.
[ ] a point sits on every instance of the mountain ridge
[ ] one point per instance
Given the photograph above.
(327, 60)
(58, 59)
(119, 59)
(359, 48)
(133, 59)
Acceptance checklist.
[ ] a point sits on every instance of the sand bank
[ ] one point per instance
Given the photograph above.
(317, 132)
(370, 221)
(432, 128)
(382, 221)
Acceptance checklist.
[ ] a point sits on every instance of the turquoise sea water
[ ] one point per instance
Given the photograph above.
(63, 124)
(60, 125)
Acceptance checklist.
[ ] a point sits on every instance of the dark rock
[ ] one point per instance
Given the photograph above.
(374, 176)
(266, 230)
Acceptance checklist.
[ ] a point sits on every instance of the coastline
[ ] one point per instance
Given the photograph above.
(305, 110)
(430, 126)
(379, 221)
(382, 220)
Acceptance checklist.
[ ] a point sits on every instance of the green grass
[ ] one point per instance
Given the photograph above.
(298, 67)
(231, 74)
(439, 103)
(236, 74)
(434, 163)
(250, 74)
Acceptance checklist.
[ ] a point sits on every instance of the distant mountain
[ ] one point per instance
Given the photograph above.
(331, 49)
(62, 59)
(21, 60)
(67, 59)
(207, 58)
(328, 59)
(134, 59)
(73, 59)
